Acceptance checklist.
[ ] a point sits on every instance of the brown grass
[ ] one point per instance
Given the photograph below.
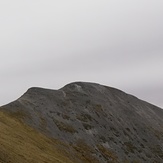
(64, 126)
(22, 144)
(85, 152)
(84, 117)
(108, 154)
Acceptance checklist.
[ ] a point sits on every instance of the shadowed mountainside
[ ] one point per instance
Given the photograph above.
(95, 123)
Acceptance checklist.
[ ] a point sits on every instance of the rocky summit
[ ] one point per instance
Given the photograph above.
(81, 123)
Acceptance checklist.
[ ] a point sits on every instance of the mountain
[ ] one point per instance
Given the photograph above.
(81, 123)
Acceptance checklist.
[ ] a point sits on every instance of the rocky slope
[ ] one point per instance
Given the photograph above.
(95, 123)
(21, 144)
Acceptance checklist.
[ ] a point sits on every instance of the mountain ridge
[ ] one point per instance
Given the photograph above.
(101, 123)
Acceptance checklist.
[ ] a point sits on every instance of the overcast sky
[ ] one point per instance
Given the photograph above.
(50, 43)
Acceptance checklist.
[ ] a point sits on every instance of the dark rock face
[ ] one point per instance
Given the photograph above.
(102, 123)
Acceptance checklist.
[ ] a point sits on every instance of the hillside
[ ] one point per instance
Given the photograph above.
(21, 144)
(81, 122)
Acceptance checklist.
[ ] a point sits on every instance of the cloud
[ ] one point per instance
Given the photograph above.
(50, 43)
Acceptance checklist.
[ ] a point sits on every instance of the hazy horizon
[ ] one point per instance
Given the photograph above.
(52, 43)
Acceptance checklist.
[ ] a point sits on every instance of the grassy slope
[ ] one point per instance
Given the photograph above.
(20, 143)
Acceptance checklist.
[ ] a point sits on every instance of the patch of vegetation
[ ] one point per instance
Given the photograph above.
(145, 140)
(130, 147)
(64, 126)
(84, 117)
(64, 116)
(98, 108)
(133, 161)
(88, 102)
(139, 150)
(19, 114)
(51, 111)
(134, 128)
(119, 120)
(158, 134)
(103, 139)
(43, 123)
(116, 133)
(126, 161)
(126, 134)
(20, 143)
(85, 151)
(128, 129)
(148, 155)
(108, 154)
(64, 103)
(157, 151)
(111, 139)
(87, 126)
(59, 114)
(142, 145)
(136, 161)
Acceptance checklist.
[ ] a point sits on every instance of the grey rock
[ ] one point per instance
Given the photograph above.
(115, 126)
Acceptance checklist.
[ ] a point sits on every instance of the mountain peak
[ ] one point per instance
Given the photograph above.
(100, 123)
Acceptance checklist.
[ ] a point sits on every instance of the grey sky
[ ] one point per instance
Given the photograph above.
(50, 43)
